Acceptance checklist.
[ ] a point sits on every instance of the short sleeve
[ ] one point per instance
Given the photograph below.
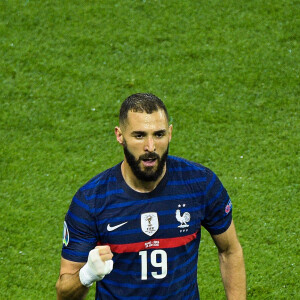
(80, 234)
(218, 207)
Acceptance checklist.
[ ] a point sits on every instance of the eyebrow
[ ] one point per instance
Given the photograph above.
(137, 132)
(160, 131)
(143, 132)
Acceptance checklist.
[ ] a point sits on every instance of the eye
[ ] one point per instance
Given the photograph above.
(139, 136)
(160, 134)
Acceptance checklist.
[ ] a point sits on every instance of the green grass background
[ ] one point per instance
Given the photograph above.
(228, 72)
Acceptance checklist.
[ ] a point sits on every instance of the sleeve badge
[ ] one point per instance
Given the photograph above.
(66, 236)
(228, 207)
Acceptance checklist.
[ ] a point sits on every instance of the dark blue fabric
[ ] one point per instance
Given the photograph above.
(188, 191)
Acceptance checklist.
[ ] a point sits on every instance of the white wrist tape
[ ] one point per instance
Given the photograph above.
(95, 269)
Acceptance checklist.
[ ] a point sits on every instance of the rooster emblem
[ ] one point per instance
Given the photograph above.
(186, 217)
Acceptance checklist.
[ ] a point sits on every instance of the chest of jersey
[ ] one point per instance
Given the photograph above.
(151, 222)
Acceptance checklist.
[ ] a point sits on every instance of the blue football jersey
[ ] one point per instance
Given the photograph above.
(154, 236)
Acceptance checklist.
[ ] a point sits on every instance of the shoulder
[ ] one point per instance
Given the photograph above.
(193, 174)
(183, 165)
(106, 176)
(99, 183)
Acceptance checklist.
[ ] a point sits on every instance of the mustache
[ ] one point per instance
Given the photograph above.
(149, 156)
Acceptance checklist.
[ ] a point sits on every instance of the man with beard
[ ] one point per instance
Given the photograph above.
(134, 229)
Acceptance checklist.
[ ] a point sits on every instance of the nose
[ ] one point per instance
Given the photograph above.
(150, 144)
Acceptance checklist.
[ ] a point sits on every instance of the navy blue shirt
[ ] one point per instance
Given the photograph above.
(154, 236)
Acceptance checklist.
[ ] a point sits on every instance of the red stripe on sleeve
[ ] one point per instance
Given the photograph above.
(154, 243)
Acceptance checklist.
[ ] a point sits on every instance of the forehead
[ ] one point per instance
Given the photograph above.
(137, 121)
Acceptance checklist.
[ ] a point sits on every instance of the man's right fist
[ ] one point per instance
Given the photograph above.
(98, 265)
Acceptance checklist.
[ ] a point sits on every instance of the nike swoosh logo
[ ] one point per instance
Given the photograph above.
(111, 228)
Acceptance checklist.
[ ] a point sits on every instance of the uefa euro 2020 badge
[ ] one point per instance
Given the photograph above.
(228, 207)
(66, 236)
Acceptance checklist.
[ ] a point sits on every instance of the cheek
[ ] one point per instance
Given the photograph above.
(162, 145)
(135, 148)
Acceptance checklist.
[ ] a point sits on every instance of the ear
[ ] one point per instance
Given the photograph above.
(119, 135)
(170, 132)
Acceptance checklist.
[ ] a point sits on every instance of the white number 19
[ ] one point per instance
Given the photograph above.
(163, 264)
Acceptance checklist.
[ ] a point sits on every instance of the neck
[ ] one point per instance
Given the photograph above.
(137, 184)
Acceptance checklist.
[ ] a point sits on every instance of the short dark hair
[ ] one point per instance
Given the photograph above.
(141, 102)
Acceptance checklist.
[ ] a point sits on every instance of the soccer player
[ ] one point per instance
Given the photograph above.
(135, 228)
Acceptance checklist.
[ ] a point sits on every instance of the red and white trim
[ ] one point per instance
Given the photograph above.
(152, 244)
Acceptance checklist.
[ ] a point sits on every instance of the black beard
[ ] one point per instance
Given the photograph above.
(148, 174)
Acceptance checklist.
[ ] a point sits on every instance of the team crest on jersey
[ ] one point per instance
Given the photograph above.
(228, 207)
(184, 218)
(66, 235)
(149, 223)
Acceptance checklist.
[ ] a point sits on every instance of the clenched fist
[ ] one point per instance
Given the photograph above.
(98, 265)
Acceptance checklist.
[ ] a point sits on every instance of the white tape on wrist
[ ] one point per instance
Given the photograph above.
(95, 269)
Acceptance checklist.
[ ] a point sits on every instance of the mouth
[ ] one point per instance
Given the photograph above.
(149, 162)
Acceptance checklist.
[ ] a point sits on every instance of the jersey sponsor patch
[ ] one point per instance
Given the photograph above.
(149, 223)
(66, 236)
(228, 207)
